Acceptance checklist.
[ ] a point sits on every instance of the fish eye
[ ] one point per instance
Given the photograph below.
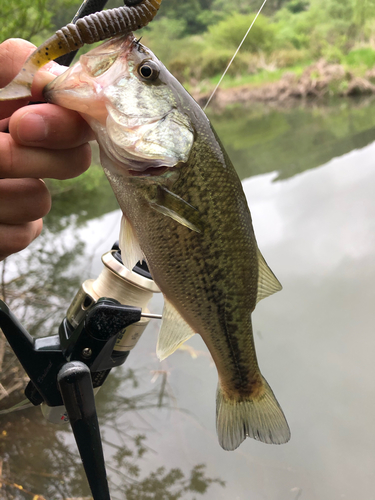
(148, 71)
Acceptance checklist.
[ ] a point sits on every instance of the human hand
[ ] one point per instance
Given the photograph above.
(45, 141)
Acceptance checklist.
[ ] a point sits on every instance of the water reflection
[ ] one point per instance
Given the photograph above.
(35, 455)
(128, 450)
(39, 459)
(39, 456)
(314, 339)
(78, 200)
(320, 328)
(291, 140)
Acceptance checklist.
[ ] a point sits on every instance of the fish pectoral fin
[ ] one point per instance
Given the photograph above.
(174, 331)
(131, 252)
(173, 206)
(267, 281)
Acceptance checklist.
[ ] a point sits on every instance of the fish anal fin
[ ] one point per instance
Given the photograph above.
(174, 331)
(260, 418)
(131, 252)
(267, 281)
(173, 206)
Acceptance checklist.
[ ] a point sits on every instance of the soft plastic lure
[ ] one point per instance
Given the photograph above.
(93, 28)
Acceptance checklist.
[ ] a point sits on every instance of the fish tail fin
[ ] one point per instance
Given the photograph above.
(258, 417)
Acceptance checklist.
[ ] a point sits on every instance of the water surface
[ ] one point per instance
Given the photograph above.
(309, 177)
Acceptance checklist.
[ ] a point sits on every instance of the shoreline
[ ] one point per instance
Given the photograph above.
(319, 80)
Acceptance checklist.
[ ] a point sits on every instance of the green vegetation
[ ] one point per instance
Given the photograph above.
(83, 198)
(197, 38)
(34, 20)
(288, 36)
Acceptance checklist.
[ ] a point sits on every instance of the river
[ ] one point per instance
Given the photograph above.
(309, 176)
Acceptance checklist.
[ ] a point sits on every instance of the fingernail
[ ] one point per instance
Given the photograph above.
(38, 226)
(32, 128)
(54, 68)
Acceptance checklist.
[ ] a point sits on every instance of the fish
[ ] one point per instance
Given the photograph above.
(185, 213)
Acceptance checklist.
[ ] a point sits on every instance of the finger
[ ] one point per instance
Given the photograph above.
(14, 238)
(45, 75)
(4, 124)
(49, 126)
(27, 162)
(13, 53)
(23, 200)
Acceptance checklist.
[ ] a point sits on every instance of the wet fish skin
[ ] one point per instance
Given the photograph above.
(186, 211)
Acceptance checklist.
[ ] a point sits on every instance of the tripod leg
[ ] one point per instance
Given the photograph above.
(75, 384)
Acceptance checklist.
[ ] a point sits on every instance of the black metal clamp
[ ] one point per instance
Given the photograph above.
(64, 368)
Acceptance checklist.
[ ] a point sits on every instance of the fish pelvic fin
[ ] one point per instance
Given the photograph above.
(174, 331)
(260, 418)
(267, 281)
(131, 252)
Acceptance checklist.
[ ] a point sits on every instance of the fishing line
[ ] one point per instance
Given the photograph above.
(109, 285)
(23, 405)
(230, 62)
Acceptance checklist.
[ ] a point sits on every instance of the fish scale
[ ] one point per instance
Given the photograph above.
(218, 267)
(185, 211)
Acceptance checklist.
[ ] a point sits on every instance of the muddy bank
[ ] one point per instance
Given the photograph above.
(318, 80)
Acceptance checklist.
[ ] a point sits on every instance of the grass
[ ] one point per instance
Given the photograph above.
(260, 78)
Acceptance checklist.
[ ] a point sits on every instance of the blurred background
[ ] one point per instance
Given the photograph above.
(296, 115)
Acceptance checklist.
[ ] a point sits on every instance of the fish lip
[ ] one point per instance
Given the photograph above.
(69, 92)
(47, 94)
(52, 96)
(149, 172)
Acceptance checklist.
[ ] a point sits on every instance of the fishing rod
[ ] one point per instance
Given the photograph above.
(102, 325)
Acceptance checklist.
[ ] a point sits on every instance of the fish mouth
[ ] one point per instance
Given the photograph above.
(71, 91)
(149, 172)
(80, 87)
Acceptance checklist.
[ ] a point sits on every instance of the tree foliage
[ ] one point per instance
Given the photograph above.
(23, 19)
(229, 33)
(197, 38)
(29, 19)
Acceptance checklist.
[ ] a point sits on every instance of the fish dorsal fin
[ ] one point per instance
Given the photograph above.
(131, 252)
(267, 281)
(172, 205)
(173, 332)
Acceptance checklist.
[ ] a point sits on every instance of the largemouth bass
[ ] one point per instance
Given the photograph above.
(184, 211)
